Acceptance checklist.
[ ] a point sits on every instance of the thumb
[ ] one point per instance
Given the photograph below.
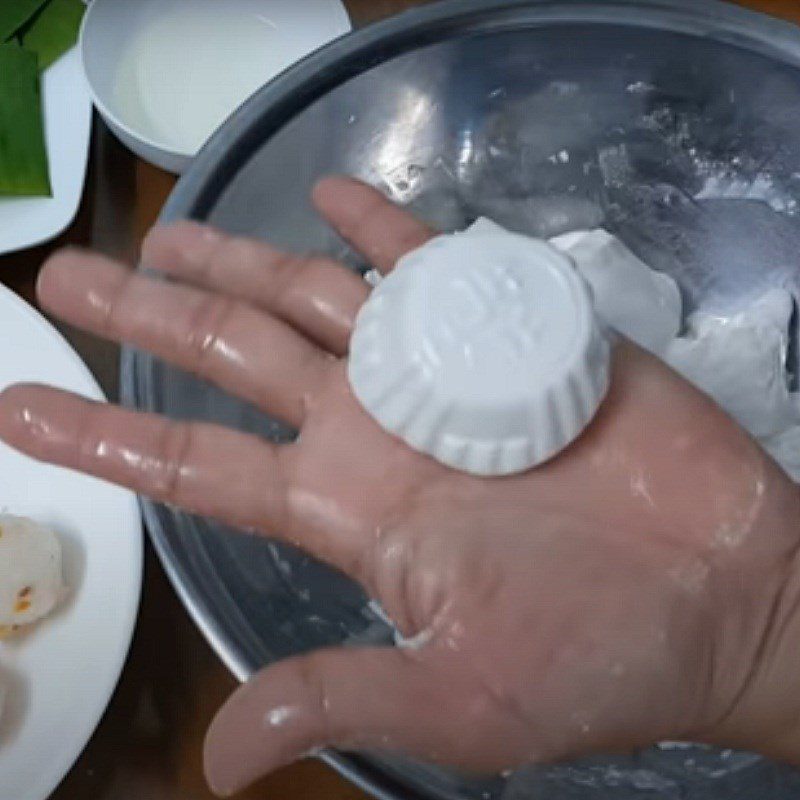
(347, 698)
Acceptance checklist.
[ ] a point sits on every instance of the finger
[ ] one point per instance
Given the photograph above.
(206, 469)
(366, 699)
(375, 226)
(248, 353)
(315, 295)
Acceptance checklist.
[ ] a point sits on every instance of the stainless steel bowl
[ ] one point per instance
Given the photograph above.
(546, 114)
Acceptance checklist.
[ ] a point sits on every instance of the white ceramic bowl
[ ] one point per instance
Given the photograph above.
(290, 30)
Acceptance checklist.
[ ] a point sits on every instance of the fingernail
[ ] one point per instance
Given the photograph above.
(228, 765)
(51, 273)
(243, 744)
(200, 248)
(218, 774)
(191, 241)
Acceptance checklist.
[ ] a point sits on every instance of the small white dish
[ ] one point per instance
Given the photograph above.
(61, 674)
(25, 222)
(164, 74)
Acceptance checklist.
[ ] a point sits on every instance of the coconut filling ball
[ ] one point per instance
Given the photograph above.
(31, 574)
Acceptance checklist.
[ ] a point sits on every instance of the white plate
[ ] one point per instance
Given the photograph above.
(25, 222)
(62, 674)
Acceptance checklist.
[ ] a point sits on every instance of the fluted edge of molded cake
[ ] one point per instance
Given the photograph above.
(402, 404)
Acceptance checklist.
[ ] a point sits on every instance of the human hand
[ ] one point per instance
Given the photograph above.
(642, 585)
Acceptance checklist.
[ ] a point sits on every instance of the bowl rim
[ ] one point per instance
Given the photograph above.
(294, 90)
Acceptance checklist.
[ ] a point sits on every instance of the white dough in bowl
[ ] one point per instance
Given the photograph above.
(642, 304)
(740, 360)
(31, 574)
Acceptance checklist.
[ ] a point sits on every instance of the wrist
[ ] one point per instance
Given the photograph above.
(765, 715)
(780, 674)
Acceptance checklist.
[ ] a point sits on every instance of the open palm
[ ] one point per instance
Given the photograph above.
(620, 594)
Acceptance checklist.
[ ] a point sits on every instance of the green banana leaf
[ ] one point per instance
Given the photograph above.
(23, 155)
(14, 14)
(53, 31)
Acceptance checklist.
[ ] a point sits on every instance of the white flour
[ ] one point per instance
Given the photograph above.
(740, 360)
(721, 185)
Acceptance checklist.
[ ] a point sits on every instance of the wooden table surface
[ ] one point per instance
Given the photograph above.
(148, 745)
